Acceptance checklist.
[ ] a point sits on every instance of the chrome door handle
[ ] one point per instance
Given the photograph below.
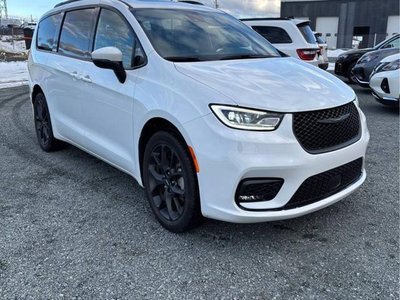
(86, 79)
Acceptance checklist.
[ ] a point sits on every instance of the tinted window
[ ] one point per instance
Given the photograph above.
(306, 31)
(77, 32)
(393, 44)
(113, 31)
(48, 33)
(274, 35)
(191, 35)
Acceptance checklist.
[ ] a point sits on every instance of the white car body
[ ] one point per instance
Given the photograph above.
(92, 110)
(390, 78)
(289, 27)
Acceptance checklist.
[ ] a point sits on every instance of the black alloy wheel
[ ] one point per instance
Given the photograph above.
(171, 182)
(44, 131)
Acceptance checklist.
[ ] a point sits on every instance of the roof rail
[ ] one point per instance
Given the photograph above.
(264, 19)
(65, 3)
(191, 2)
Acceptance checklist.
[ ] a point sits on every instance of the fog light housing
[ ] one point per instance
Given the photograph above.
(258, 189)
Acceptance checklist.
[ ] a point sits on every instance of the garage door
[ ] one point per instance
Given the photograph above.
(393, 25)
(328, 26)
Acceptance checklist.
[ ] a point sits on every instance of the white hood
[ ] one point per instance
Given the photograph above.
(275, 84)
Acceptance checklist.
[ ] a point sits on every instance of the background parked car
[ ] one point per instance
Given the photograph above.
(323, 51)
(293, 37)
(385, 80)
(367, 63)
(347, 60)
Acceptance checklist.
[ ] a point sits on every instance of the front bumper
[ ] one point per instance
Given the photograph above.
(361, 75)
(380, 95)
(227, 156)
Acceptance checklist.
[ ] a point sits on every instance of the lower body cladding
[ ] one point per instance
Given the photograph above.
(385, 87)
(292, 181)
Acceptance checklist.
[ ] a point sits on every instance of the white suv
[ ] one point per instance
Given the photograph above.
(293, 37)
(198, 108)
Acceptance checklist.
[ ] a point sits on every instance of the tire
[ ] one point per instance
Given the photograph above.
(43, 127)
(170, 182)
(350, 77)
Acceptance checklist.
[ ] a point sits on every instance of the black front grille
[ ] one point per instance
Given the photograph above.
(263, 189)
(326, 184)
(327, 130)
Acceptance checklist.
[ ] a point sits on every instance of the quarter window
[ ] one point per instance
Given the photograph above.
(76, 33)
(48, 33)
(114, 31)
(274, 35)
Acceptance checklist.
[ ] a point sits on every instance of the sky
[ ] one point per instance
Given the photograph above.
(238, 8)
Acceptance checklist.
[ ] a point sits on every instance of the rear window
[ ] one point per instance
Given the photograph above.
(48, 33)
(274, 35)
(306, 31)
(77, 32)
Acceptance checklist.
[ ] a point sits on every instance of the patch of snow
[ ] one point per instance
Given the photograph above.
(331, 67)
(13, 74)
(7, 45)
(335, 53)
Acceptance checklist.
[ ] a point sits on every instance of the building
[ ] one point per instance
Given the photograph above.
(348, 23)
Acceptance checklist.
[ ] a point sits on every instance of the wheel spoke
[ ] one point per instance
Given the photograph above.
(177, 190)
(157, 176)
(178, 206)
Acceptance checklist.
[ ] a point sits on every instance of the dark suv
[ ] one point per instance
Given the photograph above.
(347, 60)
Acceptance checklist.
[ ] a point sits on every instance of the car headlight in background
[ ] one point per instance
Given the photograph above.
(368, 57)
(394, 65)
(247, 119)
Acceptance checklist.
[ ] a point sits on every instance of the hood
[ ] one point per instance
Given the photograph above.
(391, 58)
(275, 84)
(357, 51)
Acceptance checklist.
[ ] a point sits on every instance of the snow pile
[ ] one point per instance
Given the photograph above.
(335, 53)
(6, 45)
(13, 74)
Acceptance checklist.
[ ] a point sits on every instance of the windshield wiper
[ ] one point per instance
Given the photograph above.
(244, 56)
(183, 58)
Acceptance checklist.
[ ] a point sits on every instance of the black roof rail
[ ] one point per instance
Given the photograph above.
(191, 2)
(265, 19)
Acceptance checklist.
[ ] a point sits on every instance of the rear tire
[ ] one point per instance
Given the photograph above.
(170, 182)
(43, 127)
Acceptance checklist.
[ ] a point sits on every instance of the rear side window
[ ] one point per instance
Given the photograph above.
(48, 33)
(114, 31)
(306, 31)
(274, 35)
(76, 34)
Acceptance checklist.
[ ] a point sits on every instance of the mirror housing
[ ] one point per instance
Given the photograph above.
(110, 58)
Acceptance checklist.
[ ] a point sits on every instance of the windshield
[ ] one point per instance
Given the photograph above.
(194, 35)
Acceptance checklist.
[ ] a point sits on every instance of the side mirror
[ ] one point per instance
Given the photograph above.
(110, 58)
(387, 46)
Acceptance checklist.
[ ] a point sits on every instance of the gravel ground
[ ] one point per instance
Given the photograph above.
(73, 227)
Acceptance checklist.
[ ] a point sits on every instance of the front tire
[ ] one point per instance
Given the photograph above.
(170, 182)
(43, 127)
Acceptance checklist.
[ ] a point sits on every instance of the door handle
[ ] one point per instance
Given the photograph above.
(86, 79)
(74, 75)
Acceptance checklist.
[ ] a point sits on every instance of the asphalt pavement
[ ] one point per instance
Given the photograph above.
(73, 227)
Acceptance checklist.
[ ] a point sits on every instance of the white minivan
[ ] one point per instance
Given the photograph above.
(201, 110)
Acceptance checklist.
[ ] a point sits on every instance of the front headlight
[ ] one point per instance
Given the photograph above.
(368, 57)
(394, 65)
(247, 119)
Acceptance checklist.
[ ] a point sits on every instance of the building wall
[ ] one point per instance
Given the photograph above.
(352, 13)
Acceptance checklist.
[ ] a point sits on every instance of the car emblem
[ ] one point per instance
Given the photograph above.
(334, 120)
